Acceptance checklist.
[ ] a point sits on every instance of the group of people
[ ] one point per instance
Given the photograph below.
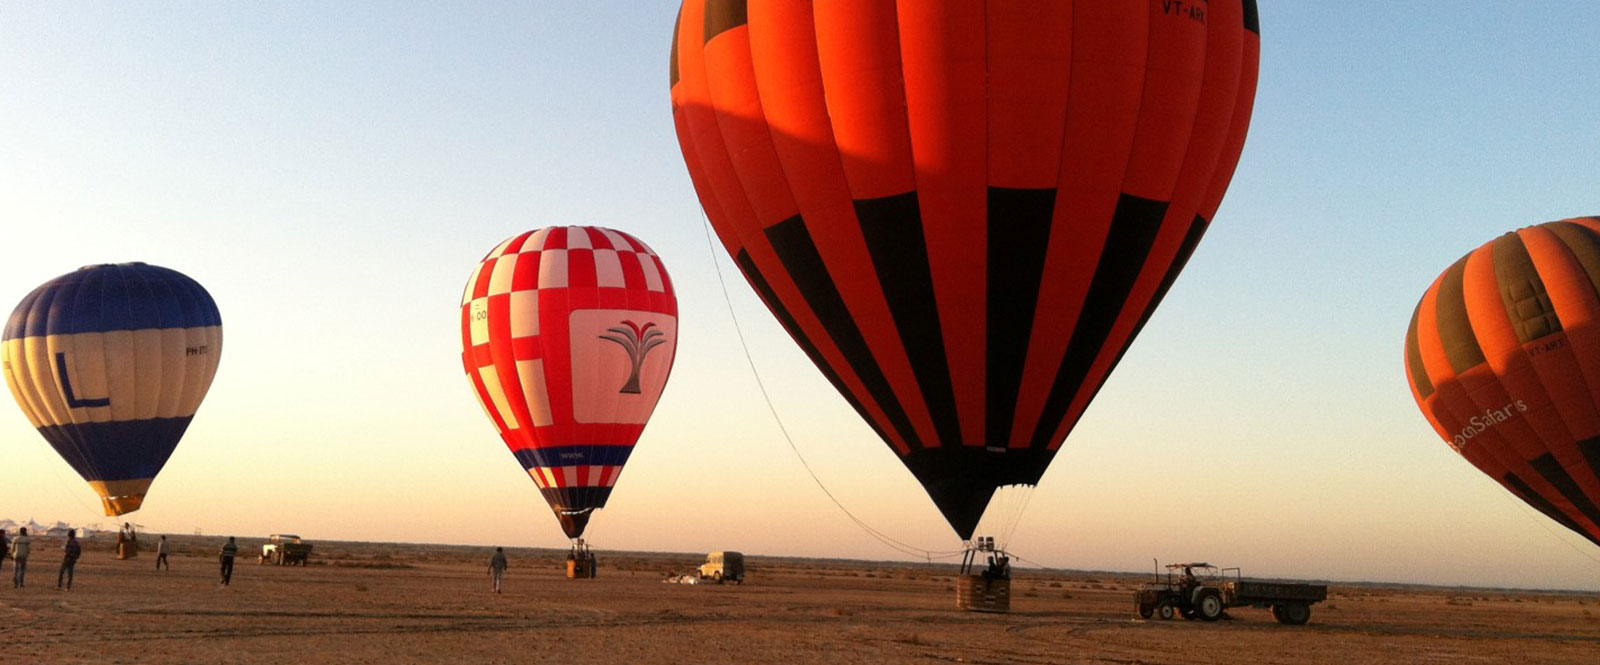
(999, 567)
(20, 548)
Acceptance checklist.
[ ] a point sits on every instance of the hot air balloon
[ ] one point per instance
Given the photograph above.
(568, 335)
(963, 211)
(110, 364)
(1503, 357)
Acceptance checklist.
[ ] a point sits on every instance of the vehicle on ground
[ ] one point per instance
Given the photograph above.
(723, 567)
(285, 549)
(1203, 591)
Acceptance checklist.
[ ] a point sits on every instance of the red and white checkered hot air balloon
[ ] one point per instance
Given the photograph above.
(568, 335)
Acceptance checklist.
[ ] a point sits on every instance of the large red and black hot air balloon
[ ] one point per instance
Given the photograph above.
(1503, 355)
(568, 335)
(963, 211)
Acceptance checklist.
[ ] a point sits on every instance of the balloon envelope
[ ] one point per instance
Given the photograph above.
(1503, 357)
(110, 364)
(568, 335)
(963, 212)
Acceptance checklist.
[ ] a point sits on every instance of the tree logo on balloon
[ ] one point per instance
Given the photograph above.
(638, 341)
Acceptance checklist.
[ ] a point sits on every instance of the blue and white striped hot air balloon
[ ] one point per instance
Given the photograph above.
(110, 363)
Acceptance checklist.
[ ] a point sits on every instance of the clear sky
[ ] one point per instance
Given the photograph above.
(332, 172)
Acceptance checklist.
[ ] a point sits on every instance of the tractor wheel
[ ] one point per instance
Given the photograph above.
(1292, 614)
(1164, 611)
(1146, 611)
(1209, 605)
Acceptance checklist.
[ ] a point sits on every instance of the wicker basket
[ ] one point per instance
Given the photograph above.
(980, 593)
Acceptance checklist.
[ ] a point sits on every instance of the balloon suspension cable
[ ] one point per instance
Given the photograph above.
(74, 489)
(1036, 564)
(1008, 505)
(898, 545)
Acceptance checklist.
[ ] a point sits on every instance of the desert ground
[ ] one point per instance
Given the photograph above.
(399, 603)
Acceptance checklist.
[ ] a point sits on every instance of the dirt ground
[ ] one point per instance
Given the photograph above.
(391, 603)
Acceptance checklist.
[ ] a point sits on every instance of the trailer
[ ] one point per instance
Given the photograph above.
(1203, 591)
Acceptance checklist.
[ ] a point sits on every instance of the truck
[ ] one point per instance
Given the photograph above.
(723, 567)
(1202, 591)
(285, 549)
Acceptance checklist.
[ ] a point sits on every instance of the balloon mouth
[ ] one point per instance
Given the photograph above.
(121, 496)
(962, 480)
(573, 522)
(118, 505)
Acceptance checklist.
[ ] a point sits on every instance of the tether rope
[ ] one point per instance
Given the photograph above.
(893, 543)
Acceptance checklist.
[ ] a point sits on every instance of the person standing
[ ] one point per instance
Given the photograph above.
(19, 553)
(161, 554)
(229, 550)
(69, 560)
(5, 548)
(497, 567)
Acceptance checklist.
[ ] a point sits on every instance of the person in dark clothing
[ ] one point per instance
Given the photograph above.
(497, 567)
(229, 550)
(5, 548)
(1189, 582)
(69, 560)
(19, 553)
(161, 554)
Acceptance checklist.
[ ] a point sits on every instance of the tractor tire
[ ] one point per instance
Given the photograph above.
(1208, 605)
(1165, 612)
(1292, 614)
(1146, 611)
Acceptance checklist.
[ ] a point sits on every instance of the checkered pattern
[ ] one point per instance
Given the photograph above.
(517, 314)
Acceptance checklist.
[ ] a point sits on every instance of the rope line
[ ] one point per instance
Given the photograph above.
(897, 545)
(1036, 564)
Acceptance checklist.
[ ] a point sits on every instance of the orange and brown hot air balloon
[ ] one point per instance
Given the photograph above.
(1503, 355)
(963, 211)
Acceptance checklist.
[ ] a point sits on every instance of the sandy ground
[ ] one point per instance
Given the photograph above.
(388, 603)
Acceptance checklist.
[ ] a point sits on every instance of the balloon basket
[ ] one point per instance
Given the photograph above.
(977, 593)
(581, 563)
(984, 584)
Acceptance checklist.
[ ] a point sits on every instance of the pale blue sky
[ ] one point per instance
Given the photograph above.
(332, 175)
